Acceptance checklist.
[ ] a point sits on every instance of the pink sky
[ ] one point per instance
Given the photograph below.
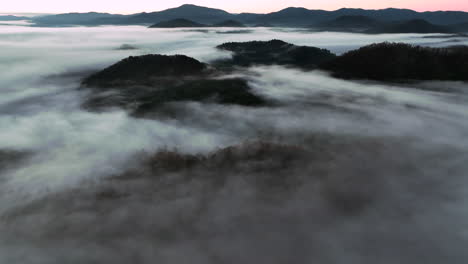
(235, 6)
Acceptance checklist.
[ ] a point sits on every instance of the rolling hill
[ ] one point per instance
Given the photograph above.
(349, 23)
(411, 26)
(12, 18)
(293, 17)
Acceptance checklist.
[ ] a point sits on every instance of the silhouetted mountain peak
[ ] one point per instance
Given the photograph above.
(392, 9)
(348, 9)
(196, 8)
(190, 6)
(293, 10)
(195, 13)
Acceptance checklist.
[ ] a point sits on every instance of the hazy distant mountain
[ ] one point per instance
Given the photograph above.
(181, 22)
(229, 23)
(70, 19)
(191, 12)
(248, 18)
(461, 27)
(305, 17)
(175, 23)
(13, 18)
(349, 23)
(293, 16)
(412, 26)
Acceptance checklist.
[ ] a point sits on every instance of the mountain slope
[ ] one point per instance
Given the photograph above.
(306, 17)
(191, 12)
(143, 84)
(13, 18)
(460, 27)
(69, 19)
(412, 26)
(274, 52)
(401, 62)
(176, 23)
(349, 23)
(229, 23)
(292, 16)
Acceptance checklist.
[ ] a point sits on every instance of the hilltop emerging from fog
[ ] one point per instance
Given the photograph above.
(401, 62)
(143, 84)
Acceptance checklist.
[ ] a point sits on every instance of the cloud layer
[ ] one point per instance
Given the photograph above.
(401, 147)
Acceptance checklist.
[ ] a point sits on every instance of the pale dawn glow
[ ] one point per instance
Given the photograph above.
(258, 6)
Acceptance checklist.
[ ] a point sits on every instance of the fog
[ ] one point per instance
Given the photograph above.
(378, 171)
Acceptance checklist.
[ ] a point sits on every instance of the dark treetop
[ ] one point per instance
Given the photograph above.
(143, 69)
(399, 62)
(275, 52)
(142, 84)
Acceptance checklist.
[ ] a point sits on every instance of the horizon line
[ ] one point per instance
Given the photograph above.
(25, 13)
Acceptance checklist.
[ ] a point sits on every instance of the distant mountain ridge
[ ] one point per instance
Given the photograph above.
(349, 23)
(185, 23)
(293, 16)
(411, 26)
(12, 18)
(363, 24)
(175, 23)
(195, 13)
(72, 19)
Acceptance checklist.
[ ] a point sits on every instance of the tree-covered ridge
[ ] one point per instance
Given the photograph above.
(142, 84)
(275, 52)
(399, 61)
(142, 69)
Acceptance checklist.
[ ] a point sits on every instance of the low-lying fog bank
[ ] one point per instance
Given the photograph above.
(336, 172)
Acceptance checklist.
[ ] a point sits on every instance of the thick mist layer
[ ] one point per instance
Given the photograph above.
(345, 172)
